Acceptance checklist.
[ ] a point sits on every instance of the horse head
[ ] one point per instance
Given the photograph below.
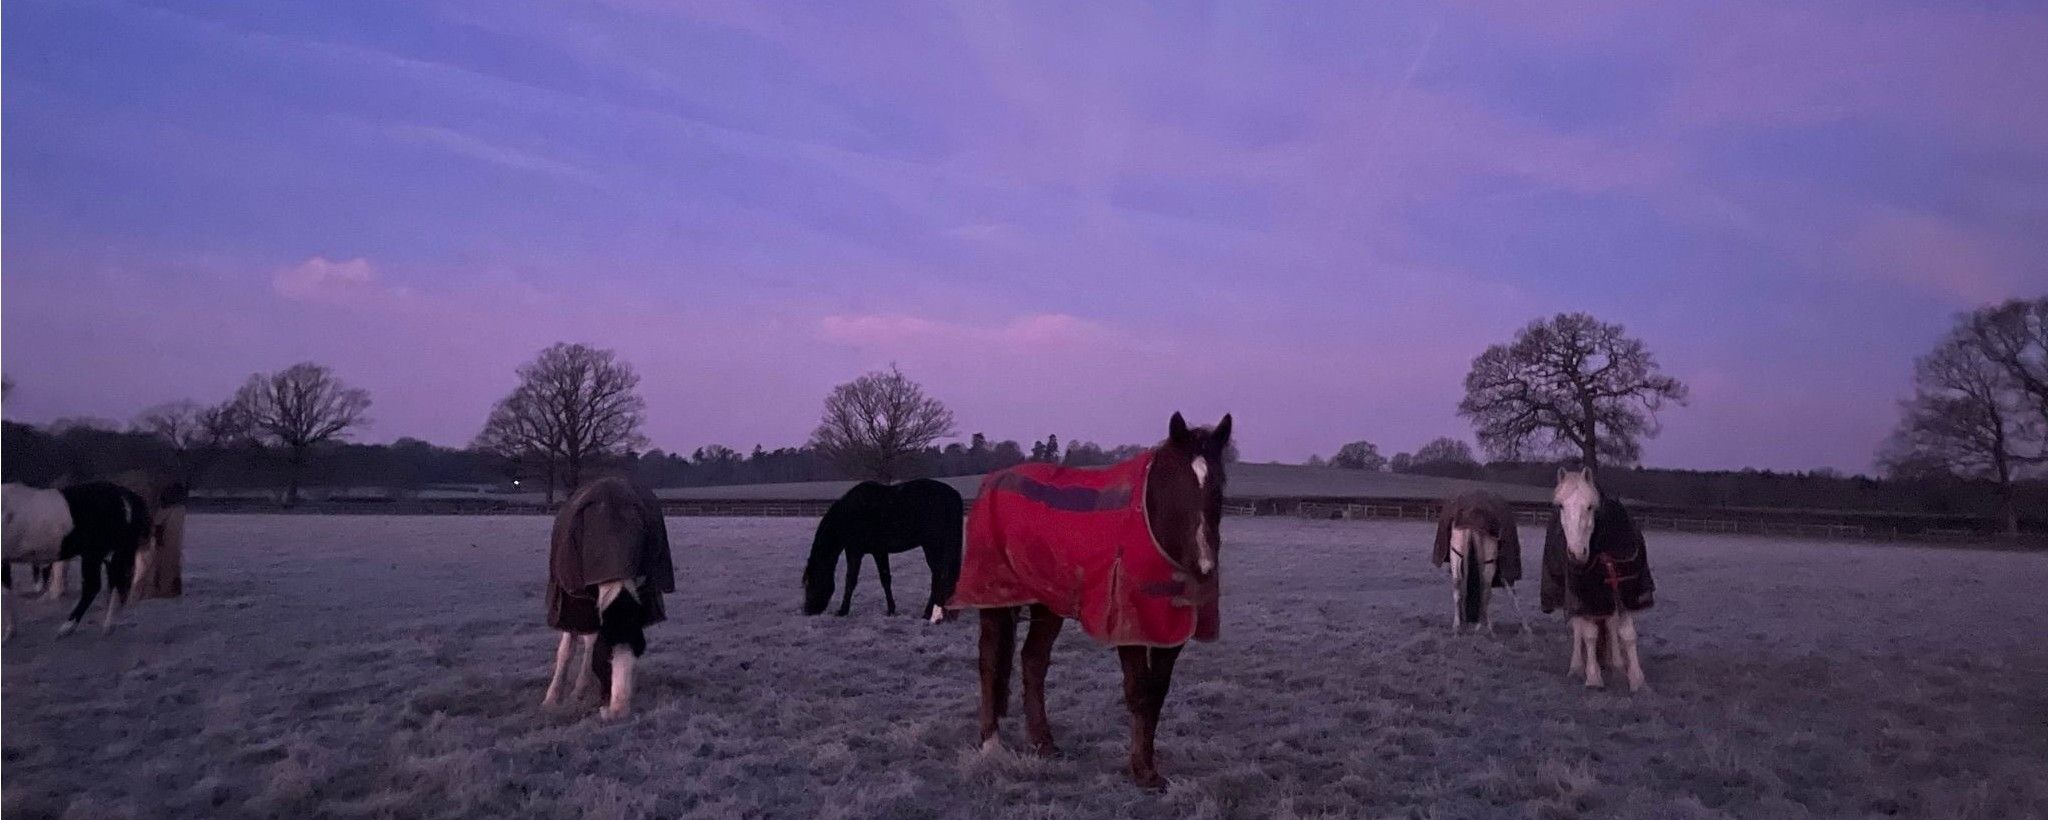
(1184, 492)
(1578, 500)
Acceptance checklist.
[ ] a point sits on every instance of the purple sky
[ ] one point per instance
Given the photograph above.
(1061, 220)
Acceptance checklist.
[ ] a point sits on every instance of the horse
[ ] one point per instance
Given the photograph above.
(100, 523)
(608, 565)
(1596, 568)
(1477, 538)
(1129, 550)
(880, 519)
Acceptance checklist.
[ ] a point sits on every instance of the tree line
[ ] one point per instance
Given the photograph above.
(1565, 387)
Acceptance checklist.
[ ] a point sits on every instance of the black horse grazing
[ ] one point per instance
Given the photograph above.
(880, 519)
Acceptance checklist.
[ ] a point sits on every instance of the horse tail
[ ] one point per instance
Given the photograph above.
(1474, 595)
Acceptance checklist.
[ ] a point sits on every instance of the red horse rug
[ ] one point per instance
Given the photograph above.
(1078, 541)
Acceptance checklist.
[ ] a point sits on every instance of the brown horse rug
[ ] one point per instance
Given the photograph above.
(608, 531)
(1078, 541)
(1616, 572)
(1484, 512)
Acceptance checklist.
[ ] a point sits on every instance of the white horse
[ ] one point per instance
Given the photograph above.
(1596, 568)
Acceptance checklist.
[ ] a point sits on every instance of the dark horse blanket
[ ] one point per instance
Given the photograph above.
(608, 531)
(1485, 512)
(1078, 541)
(1616, 571)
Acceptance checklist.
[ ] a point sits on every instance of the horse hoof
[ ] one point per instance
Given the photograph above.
(991, 744)
(67, 628)
(1149, 781)
(608, 713)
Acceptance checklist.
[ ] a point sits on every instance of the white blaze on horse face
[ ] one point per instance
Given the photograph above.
(1201, 467)
(1576, 499)
(1207, 560)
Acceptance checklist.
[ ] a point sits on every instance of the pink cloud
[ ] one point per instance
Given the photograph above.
(348, 282)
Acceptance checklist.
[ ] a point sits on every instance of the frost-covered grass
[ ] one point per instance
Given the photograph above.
(392, 667)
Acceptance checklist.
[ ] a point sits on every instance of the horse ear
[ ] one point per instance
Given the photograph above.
(1223, 431)
(1588, 473)
(1177, 428)
(1562, 471)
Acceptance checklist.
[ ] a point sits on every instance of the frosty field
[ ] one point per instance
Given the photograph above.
(369, 666)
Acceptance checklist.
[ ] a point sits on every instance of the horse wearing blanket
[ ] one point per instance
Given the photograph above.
(1128, 550)
(608, 565)
(1596, 568)
(1477, 539)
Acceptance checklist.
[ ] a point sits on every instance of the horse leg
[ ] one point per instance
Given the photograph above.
(1578, 653)
(1045, 629)
(115, 596)
(852, 576)
(120, 576)
(621, 701)
(6, 601)
(565, 651)
(882, 569)
(998, 640)
(945, 575)
(1457, 603)
(89, 587)
(1148, 673)
(1625, 635)
(1588, 632)
(586, 669)
(53, 589)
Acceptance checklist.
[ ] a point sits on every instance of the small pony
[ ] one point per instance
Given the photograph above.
(1476, 537)
(1596, 568)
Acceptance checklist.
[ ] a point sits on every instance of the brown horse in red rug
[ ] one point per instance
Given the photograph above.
(1128, 550)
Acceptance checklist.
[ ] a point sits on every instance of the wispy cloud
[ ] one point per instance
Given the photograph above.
(353, 282)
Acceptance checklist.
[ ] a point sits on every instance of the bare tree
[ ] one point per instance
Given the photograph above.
(877, 424)
(518, 431)
(2014, 336)
(1359, 455)
(574, 403)
(1967, 413)
(196, 434)
(299, 407)
(1568, 384)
